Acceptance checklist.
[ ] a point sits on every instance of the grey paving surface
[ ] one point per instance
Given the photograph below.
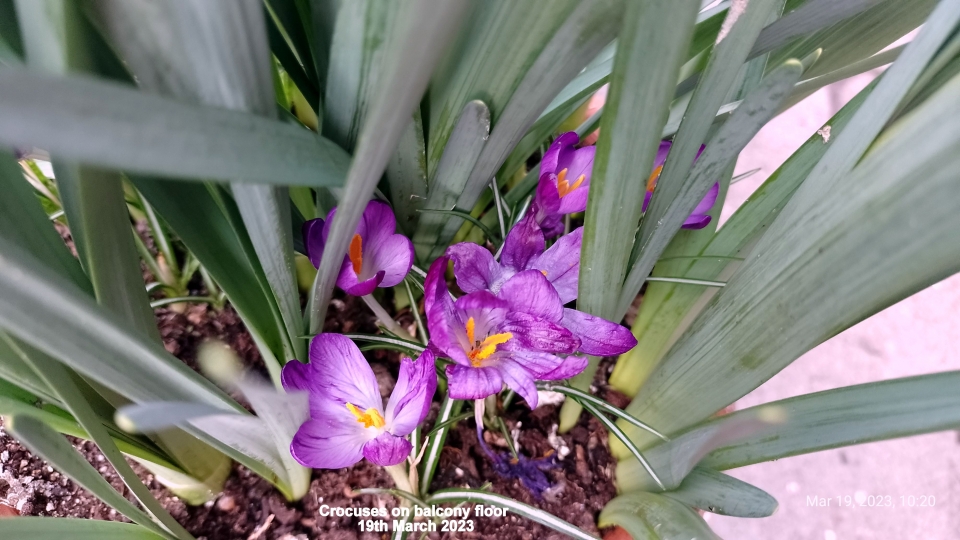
(917, 336)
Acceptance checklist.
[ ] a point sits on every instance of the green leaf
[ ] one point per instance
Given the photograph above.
(590, 26)
(141, 133)
(810, 17)
(446, 186)
(158, 415)
(622, 437)
(718, 493)
(852, 415)
(516, 507)
(407, 176)
(643, 513)
(449, 408)
(833, 260)
(427, 30)
(673, 460)
(23, 221)
(858, 37)
(364, 34)
(651, 48)
(11, 44)
(45, 528)
(54, 448)
(56, 318)
(73, 392)
(679, 188)
(667, 310)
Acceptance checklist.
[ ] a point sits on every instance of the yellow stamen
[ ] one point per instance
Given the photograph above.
(471, 324)
(356, 253)
(487, 347)
(563, 188)
(654, 176)
(544, 272)
(370, 418)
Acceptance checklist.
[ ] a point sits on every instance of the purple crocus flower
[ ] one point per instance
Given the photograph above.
(699, 218)
(377, 257)
(347, 419)
(476, 270)
(564, 182)
(493, 343)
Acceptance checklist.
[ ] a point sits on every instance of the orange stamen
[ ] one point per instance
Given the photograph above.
(356, 253)
(654, 176)
(563, 188)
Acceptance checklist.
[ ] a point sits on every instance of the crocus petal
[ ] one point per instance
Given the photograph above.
(579, 162)
(533, 333)
(387, 449)
(488, 311)
(341, 373)
(524, 242)
(465, 382)
(547, 197)
(377, 224)
(696, 222)
(598, 337)
(552, 226)
(313, 240)
(662, 153)
(442, 319)
(393, 257)
(474, 267)
(520, 380)
(646, 200)
(561, 265)
(530, 292)
(296, 375)
(348, 281)
(570, 367)
(320, 445)
(550, 161)
(575, 201)
(410, 401)
(708, 200)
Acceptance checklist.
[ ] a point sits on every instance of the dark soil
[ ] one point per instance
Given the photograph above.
(250, 507)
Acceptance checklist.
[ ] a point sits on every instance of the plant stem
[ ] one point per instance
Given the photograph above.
(402, 479)
(385, 317)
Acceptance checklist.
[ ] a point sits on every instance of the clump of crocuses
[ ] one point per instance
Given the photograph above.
(377, 256)
(348, 420)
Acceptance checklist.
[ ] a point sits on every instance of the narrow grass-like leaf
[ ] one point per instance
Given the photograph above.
(670, 309)
(407, 176)
(46, 528)
(643, 513)
(875, 240)
(23, 222)
(402, 343)
(428, 26)
(590, 26)
(619, 434)
(55, 449)
(677, 201)
(582, 396)
(808, 18)
(516, 507)
(154, 416)
(56, 318)
(153, 135)
(851, 415)
(463, 148)
(449, 408)
(721, 494)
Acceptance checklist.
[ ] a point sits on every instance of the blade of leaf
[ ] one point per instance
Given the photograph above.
(851, 415)
(809, 17)
(516, 507)
(407, 176)
(665, 219)
(718, 493)
(45, 528)
(175, 140)
(428, 26)
(876, 242)
(670, 519)
(463, 148)
(55, 449)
